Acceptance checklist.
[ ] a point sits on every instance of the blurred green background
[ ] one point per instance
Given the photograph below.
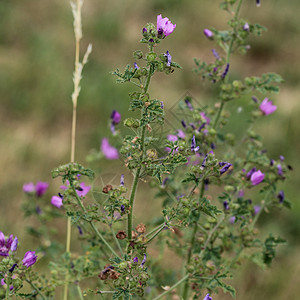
(36, 65)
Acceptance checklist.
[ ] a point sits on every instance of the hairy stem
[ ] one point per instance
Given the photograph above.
(79, 292)
(36, 289)
(156, 233)
(229, 52)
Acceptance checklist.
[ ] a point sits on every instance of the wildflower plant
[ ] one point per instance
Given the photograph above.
(213, 186)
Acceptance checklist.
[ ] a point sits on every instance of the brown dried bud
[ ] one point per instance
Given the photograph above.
(107, 188)
(149, 128)
(103, 275)
(121, 235)
(114, 275)
(147, 103)
(134, 140)
(141, 228)
(178, 232)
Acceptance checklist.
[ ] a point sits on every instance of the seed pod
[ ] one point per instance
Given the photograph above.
(107, 188)
(141, 228)
(121, 235)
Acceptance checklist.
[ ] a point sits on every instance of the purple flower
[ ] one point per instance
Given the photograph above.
(255, 100)
(181, 134)
(257, 177)
(29, 188)
(226, 205)
(249, 174)
(164, 26)
(6, 245)
(122, 208)
(258, 3)
(279, 170)
(272, 162)
(161, 105)
(109, 151)
(172, 138)
(280, 196)
(56, 201)
(204, 161)
(281, 157)
(4, 284)
(215, 53)
(267, 107)
(84, 189)
(115, 117)
(12, 268)
(135, 260)
(225, 168)
(208, 33)
(225, 71)
(169, 58)
(201, 127)
(143, 261)
(165, 181)
(14, 244)
(188, 103)
(79, 230)
(256, 209)
(144, 30)
(122, 180)
(136, 66)
(207, 297)
(41, 188)
(246, 27)
(29, 258)
(206, 118)
(193, 145)
(232, 219)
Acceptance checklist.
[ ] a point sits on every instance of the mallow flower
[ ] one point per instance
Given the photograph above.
(267, 107)
(57, 201)
(207, 297)
(208, 33)
(7, 245)
(257, 177)
(29, 258)
(164, 26)
(109, 151)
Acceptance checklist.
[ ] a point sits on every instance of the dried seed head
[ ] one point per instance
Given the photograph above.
(114, 275)
(134, 234)
(121, 235)
(107, 188)
(141, 228)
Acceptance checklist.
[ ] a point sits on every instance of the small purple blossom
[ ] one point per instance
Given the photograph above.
(135, 259)
(181, 134)
(79, 230)
(193, 145)
(183, 124)
(28, 188)
(188, 103)
(122, 180)
(165, 181)
(225, 168)
(84, 189)
(201, 127)
(161, 105)
(164, 26)
(151, 40)
(109, 151)
(122, 208)
(6, 245)
(115, 117)
(215, 53)
(249, 174)
(205, 117)
(208, 33)
(29, 258)
(225, 71)
(281, 196)
(246, 27)
(12, 268)
(226, 205)
(257, 177)
(241, 193)
(267, 107)
(232, 219)
(144, 30)
(56, 201)
(204, 161)
(14, 244)
(136, 66)
(279, 170)
(41, 188)
(281, 157)
(207, 297)
(172, 138)
(255, 100)
(169, 58)
(257, 209)
(258, 3)
(4, 284)
(272, 162)
(143, 261)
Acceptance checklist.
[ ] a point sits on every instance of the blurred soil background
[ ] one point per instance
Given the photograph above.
(36, 65)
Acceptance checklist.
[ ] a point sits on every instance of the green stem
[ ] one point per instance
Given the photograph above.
(37, 289)
(156, 228)
(92, 224)
(229, 51)
(116, 240)
(172, 287)
(138, 171)
(156, 233)
(79, 292)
